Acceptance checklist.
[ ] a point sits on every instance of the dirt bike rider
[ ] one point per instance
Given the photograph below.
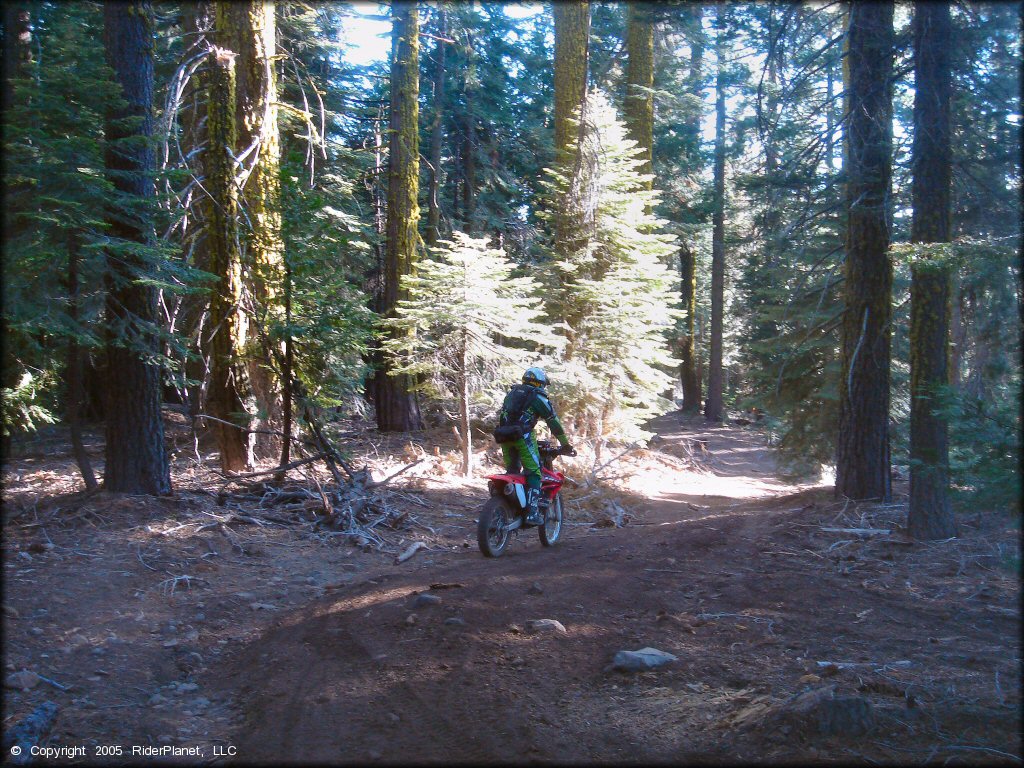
(524, 404)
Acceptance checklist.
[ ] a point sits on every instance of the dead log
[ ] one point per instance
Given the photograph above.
(30, 731)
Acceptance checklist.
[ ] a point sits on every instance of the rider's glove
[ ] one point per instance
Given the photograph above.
(568, 450)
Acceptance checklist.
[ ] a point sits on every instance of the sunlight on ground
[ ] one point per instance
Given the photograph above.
(660, 484)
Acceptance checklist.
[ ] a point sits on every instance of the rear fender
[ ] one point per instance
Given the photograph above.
(518, 479)
(512, 487)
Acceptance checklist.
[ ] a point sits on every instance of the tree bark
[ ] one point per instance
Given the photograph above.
(572, 35)
(75, 368)
(689, 350)
(228, 324)
(197, 21)
(397, 408)
(688, 367)
(469, 147)
(467, 438)
(713, 406)
(433, 231)
(930, 514)
(638, 110)
(862, 451)
(136, 458)
(249, 31)
(17, 47)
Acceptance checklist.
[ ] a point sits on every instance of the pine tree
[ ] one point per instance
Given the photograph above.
(638, 108)
(229, 395)
(397, 408)
(136, 458)
(930, 515)
(713, 405)
(862, 454)
(248, 28)
(613, 295)
(467, 324)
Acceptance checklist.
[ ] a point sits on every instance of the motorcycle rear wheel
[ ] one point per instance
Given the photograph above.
(552, 528)
(491, 532)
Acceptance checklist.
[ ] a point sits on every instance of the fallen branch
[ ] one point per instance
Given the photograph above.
(392, 476)
(860, 531)
(272, 470)
(852, 664)
(412, 550)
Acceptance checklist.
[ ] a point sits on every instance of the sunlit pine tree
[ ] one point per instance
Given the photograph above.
(468, 326)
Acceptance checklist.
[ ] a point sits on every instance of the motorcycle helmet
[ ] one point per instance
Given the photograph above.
(535, 377)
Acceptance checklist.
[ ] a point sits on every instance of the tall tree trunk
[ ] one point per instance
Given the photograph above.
(287, 371)
(397, 408)
(433, 231)
(713, 406)
(688, 368)
(75, 368)
(689, 352)
(250, 32)
(638, 110)
(469, 139)
(830, 119)
(136, 458)
(862, 451)
(17, 47)
(197, 21)
(467, 438)
(930, 515)
(228, 324)
(572, 34)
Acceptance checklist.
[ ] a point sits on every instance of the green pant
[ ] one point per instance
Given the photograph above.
(524, 451)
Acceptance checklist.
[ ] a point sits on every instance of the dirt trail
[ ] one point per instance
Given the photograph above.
(165, 623)
(365, 675)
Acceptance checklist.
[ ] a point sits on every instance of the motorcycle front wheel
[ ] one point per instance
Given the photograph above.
(552, 528)
(491, 530)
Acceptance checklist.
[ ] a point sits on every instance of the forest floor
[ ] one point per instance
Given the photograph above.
(258, 636)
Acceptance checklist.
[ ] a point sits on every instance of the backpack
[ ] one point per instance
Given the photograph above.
(514, 419)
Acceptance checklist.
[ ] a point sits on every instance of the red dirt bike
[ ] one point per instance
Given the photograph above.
(505, 511)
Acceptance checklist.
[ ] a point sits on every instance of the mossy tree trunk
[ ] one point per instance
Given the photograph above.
(930, 515)
(862, 450)
(572, 36)
(397, 408)
(136, 458)
(713, 406)
(248, 29)
(469, 143)
(228, 326)
(433, 230)
(638, 110)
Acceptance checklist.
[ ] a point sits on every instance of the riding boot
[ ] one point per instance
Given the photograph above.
(533, 515)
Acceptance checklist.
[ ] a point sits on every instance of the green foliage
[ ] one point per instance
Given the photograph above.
(985, 446)
(55, 191)
(326, 250)
(468, 318)
(614, 294)
(20, 406)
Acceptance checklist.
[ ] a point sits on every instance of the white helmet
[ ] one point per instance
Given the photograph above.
(535, 377)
